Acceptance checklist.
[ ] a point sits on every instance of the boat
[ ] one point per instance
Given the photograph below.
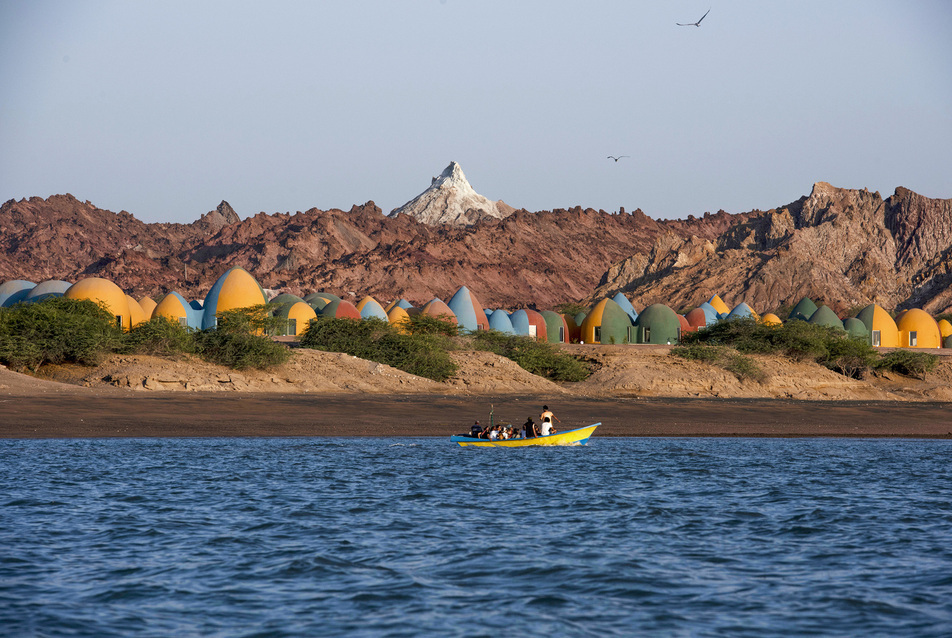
(578, 436)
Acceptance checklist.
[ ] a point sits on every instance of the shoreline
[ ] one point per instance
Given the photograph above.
(120, 414)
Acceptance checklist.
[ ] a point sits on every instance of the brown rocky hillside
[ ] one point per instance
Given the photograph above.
(541, 259)
(845, 248)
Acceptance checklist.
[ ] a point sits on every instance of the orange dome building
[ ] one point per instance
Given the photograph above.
(917, 329)
(882, 329)
(105, 292)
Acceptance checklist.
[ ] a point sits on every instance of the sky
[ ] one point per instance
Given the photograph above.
(163, 109)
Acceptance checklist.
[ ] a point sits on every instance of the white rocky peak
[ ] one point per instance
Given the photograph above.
(451, 200)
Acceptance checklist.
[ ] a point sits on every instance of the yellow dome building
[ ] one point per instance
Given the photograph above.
(718, 304)
(136, 311)
(174, 307)
(235, 289)
(770, 319)
(883, 331)
(105, 292)
(299, 316)
(398, 317)
(148, 305)
(917, 329)
(945, 328)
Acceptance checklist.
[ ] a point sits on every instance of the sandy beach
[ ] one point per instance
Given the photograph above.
(329, 394)
(108, 414)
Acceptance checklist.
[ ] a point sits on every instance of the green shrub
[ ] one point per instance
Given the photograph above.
(537, 357)
(56, 330)
(239, 350)
(798, 340)
(908, 362)
(426, 324)
(251, 320)
(742, 367)
(159, 336)
(424, 354)
(850, 356)
(571, 308)
(699, 352)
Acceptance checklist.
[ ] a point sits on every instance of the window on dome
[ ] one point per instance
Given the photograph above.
(877, 339)
(913, 340)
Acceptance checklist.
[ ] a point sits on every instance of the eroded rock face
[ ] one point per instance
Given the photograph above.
(844, 247)
(450, 200)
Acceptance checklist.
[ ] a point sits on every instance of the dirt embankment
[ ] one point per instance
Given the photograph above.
(621, 372)
(636, 391)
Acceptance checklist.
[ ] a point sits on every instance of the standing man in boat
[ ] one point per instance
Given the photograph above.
(547, 421)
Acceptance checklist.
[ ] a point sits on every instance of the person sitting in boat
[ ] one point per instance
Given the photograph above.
(476, 430)
(494, 434)
(547, 428)
(530, 427)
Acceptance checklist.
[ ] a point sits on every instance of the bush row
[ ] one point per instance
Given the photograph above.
(423, 344)
(800, 340)
(60, 330)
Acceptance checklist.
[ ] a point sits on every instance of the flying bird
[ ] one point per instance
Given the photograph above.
(693, 24)
(617, 158)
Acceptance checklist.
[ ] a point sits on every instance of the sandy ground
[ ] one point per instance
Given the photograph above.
(635, 392)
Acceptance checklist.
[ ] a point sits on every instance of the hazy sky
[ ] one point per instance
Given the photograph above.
(165, 108)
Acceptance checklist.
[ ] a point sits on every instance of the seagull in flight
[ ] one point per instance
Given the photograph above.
(693, 24)
(617, 158)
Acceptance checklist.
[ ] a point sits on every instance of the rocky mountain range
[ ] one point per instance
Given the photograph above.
(843, 247)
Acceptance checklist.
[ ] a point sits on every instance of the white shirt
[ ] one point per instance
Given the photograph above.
(546, 426)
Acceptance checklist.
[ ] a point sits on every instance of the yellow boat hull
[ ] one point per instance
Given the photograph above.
(578, 436)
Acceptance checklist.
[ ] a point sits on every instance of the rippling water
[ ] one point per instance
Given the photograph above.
(405, 537)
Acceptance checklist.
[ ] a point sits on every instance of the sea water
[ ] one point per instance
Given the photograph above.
(408, 537)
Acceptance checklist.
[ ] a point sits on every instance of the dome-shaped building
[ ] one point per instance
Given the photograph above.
(298, 316)
(235, 289)
(696, 318)
(436, 308)
(556, 329)
(148, 305)
(882, 329)
(138, 315)
(47, 289)
(340, 309)
(398, 318)
(500, 322)
(15, 291)
(917, 329)
(468, 311)
(403, 303)
(770, 319)
(824, 316)
(607, 323)
(575, 330)
(658, 324)
(718, 304)
(629, 309)
(856, 329)
(371, 308)
(711, 315)
(105, 292)
(742, 311)
(803, 310)
(174, 307)
(529, 323)
(945, 328)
